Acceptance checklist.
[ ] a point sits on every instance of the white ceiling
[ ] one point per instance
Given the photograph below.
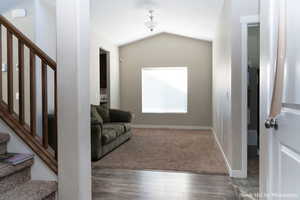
(122, 21)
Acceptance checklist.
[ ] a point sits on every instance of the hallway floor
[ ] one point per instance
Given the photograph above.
(119, 184)
(247, 189)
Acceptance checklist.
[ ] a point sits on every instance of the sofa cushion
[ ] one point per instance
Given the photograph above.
(108, 135)
(104, 113)
(118, 127)
(120, 116)
(95, 117)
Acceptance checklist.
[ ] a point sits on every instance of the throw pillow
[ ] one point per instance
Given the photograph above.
(104, 113)
(95, 116)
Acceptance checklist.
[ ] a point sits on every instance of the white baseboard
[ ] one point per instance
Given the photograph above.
(232, 173)
(237, 174)
(223, 153)
(171, 127)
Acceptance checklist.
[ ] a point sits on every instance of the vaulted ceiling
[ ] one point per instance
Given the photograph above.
(122, 21)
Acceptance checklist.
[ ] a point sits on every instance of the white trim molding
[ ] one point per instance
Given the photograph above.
(245, 22)
(232, 173)
(223, 153)
(237, 174)
(204, 128)
(250, 19)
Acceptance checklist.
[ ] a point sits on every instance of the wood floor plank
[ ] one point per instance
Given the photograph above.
(120, 184)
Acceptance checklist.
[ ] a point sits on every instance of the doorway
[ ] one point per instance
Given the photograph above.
(250, 29)
(104, 60)
(253, 105)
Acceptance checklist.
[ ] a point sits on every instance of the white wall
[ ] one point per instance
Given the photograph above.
(6, 5)
(221, 82)
(227, 79)
(45, 27)
(39, 25)
(45, 38)
(26, 24)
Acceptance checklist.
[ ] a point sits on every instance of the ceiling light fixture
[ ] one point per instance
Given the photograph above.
(151, 24)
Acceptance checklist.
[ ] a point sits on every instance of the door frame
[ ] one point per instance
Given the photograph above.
(268, 54)
(108, 57)
(245, 22)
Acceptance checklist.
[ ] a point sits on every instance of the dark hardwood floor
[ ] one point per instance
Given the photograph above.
(119, 184)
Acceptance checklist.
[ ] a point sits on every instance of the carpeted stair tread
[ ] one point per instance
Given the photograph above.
(8, 169)
(4, 138)
(32, 190)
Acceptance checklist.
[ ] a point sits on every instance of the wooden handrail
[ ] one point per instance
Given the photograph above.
(38, 142)
(39, 52)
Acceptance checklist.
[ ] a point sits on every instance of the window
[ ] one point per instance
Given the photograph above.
(164, 89)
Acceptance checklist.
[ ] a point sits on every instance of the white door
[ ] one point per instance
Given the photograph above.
(280, 177)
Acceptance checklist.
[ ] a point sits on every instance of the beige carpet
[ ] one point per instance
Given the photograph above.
(164, 149)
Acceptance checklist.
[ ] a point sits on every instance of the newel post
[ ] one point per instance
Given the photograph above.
(74, 154)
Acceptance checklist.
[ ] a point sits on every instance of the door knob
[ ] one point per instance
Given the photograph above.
(271, 123)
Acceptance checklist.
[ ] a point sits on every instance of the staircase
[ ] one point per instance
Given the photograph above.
(25, 63)
(28, 70)
(15, 183)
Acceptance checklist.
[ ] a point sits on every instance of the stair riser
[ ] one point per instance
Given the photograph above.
(51, 197)
(2, 148)
(11, 181)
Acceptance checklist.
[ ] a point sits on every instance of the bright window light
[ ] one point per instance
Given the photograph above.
(164, 89)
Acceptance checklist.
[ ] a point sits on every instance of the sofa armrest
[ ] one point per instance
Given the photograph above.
(120, 116)
(95, 122)
(96, 141)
